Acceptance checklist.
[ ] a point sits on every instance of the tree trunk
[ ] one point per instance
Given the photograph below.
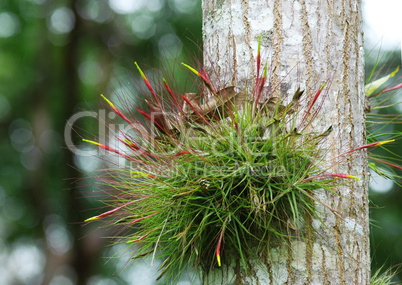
(306, 42)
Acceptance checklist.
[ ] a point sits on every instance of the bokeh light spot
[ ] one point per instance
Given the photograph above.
(61, 280)
(398, 102)
(87, 163)
(154, 5)
(58, 238)
(380, 184)
(170, 45)
(90, 72)
(94, 10)
(143, 26)
(26, 261)
(31, 158)
(9, 24)
(99, 280)
(21, 135)
(126, 6)
(62, 21)
(184, 6)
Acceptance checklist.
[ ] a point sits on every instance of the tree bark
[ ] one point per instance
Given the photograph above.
(306, 42)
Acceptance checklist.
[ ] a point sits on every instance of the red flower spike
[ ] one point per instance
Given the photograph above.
(340, 175)
(316, 95)
(203, 77)
(313, 102)
(145, 114)
(143, 174)
(129, 144)
(136, 148)
(367, 146)
(388, 163)
(147, 84)
(108, 148)
(264, 78)
(103, 215)
(218, 248)
(181, 153)
(171, 94)
(158, 126)
(138, 239)
(399, 86)
(258, 59)
(141, 219)
(120, 114)
(128, 158)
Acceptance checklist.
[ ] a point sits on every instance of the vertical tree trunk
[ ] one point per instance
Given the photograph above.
(306, 42)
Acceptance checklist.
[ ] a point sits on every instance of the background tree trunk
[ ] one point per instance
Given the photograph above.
(306, 42)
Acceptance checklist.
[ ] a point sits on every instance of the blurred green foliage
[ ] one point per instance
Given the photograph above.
(386, 196)
(56, 57)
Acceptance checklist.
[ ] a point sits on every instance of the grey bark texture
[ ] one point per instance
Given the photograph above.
(305, 43)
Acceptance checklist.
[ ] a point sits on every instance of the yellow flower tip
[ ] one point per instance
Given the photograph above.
(322, 87)
(141, 174)
(92, 142)
(108, 101)
(92, 219)
(354, 177)
(128, 142)
(395, 72)
(218, 257)
(191, 69)
(385, 142)
(265, 70)
(139, 69)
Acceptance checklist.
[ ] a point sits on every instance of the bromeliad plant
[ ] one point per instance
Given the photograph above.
(217, 173)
